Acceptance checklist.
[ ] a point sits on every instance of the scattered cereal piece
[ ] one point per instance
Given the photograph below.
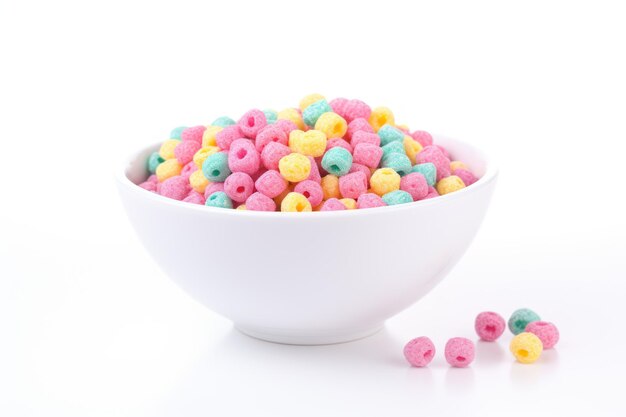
(459, 352)
(489, 325)
(545, 331)
(520, 319)
(419, 351)
(526, 347)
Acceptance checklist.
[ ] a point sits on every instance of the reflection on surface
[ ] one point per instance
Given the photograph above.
(377, 349)
(528, 374)
(459, 380)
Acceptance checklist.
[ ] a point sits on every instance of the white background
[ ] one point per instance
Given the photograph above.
(90, 327)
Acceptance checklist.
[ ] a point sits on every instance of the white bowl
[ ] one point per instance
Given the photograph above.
(309, 278)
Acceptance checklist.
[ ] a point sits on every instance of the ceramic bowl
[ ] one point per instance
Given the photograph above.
(309, 278)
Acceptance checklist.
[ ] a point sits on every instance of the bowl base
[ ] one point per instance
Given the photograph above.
(307, 337)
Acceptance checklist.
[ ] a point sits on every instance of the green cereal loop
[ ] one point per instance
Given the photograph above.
(399, 163)
(219, 199)
(390, 134)
(215, 167)
(314, 111)
(397, 197)
(429, 171)
(270, 115)
(154, 160)
(337, 161)
(223, 121)
(520, 319)
(176, 132)
(393, 147)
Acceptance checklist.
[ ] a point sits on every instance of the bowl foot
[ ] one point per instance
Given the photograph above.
(301, 337)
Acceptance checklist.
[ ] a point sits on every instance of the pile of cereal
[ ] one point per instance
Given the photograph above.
(324, 155)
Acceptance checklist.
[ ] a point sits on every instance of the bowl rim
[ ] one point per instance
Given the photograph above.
(490, 175)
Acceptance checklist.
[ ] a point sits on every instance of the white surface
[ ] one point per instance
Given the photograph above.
(265, 272)
(90, 327)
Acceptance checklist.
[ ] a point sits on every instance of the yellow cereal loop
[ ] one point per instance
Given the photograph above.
(457, 165)
(310, 143)
(168, 169)
(295, 202)
(310, 99)
(449, 185)
(381, 116)
(203, 154)
(333, 125)
(411, 148)
(241, 207)
(294, 167)
(403, 128)
(384, 180)
(167, 149)
(280, 197)
(330, 187)
(293, 115)
(198, 181)
(526, 347)
(208, 137)
(350, 203)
